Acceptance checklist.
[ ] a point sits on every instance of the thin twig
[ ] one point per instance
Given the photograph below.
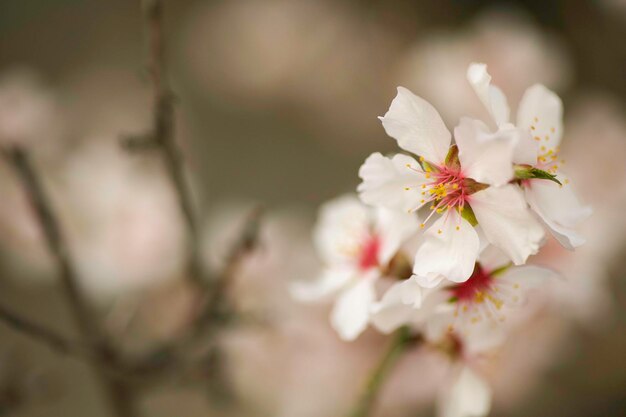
(63, 345)
(54, 340)
(217, 305)
(163, 131)
(215, 313)
(118, 396)
(365, 405)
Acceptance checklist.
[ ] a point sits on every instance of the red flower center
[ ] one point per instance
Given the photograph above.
(474, 289)
(368, 258)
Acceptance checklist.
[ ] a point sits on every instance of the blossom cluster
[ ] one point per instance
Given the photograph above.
(452, 221)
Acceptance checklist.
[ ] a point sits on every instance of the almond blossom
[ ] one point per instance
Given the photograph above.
(356, 244)
(473, 309)
(547, 189)
(465, 185)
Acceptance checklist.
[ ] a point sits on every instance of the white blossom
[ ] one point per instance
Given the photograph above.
(467, 184)
(540, 117)
(355, 243)
(472, 310)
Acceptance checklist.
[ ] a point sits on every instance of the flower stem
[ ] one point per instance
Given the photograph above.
(365, 406)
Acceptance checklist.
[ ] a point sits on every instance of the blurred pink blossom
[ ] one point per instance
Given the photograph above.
(518, 53)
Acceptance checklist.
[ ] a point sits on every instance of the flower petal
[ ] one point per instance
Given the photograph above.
(417, 126)
(352, 308)
(559, 208)
(398, 306)
(394, 183)
(486, 157)
(492, 258)
(526, 149)
(330, 281)
(520, 279)
(469, 396)
(394, 228)
(342, 226)
(449, 250)
(506, 221)
(491, 96)
(541, 113)
(477, 336)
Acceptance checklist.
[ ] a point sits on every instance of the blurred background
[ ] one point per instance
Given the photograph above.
(276, 104)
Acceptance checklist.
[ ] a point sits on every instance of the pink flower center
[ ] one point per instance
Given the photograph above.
(447, 188)
(475, 289)
(368, 257)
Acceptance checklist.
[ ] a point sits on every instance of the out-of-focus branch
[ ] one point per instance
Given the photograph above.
(54, 340)
(401, 340)
(215, 312)
(162, 133)
(217, 305)
(119, 397)
(215, 309)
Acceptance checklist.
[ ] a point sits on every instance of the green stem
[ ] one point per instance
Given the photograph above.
(365, 406)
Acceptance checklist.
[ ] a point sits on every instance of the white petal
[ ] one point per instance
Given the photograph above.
(559, 208)
(541, 112)
(486, 157)
(330, 281)
(428, 281)
(385, 182)
(398, 306)
(440, 322)
(527, 149)
(469, 396)
(412, 293)
(417, 126)
(394, 228)
(450, 249)
(491, 96)
(568, 238)
(351, 312)
(342, 226)
(492, 258)
(506, 221)
(522, 279)
(477, 336)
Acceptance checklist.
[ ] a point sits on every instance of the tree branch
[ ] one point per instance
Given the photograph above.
(89, 328)
(162, 133)
(215, 313)
(54, 340)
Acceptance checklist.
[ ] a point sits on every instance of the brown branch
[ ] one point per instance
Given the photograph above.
(88, 326)
(215, 309)
(215, 313)
(54, 340)
(217, 304)
(162, 134)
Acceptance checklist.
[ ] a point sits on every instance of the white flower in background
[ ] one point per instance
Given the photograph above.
(516, 49)
(540, 116)
(466, 184)
(122, 221)
(467, 395)
(356, 244)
